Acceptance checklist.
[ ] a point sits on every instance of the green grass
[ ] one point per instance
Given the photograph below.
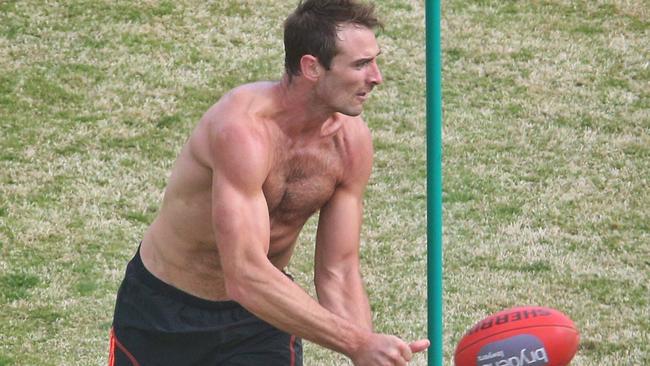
(546, 161)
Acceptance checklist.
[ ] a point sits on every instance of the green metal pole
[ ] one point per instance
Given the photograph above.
(434, 181)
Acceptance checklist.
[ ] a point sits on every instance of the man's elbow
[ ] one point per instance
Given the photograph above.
(236, 287)
(241, 276)
(243, 286)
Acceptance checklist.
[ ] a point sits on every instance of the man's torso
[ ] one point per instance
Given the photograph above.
(180, 247)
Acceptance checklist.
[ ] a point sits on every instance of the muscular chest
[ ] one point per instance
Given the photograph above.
(302, 181)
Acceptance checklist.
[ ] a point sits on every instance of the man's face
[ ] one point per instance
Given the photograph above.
(353, 71)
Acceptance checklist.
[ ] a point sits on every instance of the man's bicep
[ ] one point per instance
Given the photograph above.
(340, 219)
(236, 212)
(239, 211)
(339, 227)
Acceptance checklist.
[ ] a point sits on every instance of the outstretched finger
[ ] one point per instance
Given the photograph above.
(419, 346)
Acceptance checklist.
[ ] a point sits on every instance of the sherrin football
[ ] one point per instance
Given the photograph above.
(520, 336)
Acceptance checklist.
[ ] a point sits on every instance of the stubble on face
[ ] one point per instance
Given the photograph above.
(353, 72)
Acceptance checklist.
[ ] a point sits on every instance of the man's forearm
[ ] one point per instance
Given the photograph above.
(274, 298)
(345, 296)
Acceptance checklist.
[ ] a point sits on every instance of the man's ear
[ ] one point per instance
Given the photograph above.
(310, 67)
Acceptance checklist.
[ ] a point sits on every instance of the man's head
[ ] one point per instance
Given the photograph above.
(312, 29)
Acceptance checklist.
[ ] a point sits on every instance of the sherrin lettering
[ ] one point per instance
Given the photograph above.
(509, 317)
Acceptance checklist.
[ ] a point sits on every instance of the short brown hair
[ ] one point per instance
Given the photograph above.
(312, 29)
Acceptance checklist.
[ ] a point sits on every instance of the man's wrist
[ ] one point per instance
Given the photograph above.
(357, 341)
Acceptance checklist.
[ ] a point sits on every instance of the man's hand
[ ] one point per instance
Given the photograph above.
(386, 350)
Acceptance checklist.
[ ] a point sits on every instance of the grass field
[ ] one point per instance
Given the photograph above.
(546, 161)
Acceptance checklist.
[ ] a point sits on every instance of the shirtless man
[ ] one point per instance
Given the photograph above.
(207, 286)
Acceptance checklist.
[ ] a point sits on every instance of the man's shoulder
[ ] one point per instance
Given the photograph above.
(356, 140)
(242, 95)
(355, 129)
(236, 108)
(249, 91)
(232, 132)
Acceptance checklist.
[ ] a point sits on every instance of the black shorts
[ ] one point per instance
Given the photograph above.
(158, 324)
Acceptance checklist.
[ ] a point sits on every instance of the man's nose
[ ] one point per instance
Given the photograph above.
(375, 74)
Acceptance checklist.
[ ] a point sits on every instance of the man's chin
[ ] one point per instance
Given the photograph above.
(352, 112)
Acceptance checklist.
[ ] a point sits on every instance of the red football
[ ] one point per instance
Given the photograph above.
(521, 336)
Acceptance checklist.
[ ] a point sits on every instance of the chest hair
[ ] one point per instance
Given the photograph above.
(302, 182)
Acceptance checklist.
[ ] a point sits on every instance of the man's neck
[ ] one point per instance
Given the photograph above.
(300, 114)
